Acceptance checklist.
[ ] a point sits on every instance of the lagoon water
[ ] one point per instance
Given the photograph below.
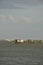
(21, 54)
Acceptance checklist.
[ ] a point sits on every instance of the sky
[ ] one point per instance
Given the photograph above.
(21, 19)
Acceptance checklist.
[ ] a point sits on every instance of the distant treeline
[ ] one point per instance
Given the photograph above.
(21, 41)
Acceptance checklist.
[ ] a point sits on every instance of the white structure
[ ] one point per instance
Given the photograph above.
(20, 40)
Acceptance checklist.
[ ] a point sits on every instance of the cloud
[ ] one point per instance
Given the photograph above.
(9, 4)
(18, 4)
(14, 19)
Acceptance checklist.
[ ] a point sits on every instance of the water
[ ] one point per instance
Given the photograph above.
(21, 54)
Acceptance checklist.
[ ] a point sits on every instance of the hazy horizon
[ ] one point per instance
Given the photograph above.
(21, 19)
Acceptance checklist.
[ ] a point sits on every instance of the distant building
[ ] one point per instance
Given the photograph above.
(19, 41)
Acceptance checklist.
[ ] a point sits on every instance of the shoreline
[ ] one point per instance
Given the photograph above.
(21, 41)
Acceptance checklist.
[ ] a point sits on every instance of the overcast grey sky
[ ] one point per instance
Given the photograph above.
(21, 19)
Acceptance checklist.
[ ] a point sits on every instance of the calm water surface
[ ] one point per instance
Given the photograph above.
(21, 54)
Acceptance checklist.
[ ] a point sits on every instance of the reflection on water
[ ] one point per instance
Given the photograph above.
(21, 54)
